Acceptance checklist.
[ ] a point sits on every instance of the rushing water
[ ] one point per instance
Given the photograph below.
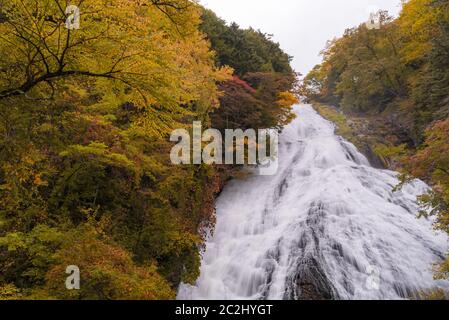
(328, 225)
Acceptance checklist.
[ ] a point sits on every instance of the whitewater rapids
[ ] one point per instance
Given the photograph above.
(326, 226)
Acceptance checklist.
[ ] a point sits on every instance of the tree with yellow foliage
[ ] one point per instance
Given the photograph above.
(85, 117)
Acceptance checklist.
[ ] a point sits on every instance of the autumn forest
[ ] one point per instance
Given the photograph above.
(86, 115)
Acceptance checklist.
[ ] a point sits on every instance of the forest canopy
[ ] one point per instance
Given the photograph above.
(85, 114)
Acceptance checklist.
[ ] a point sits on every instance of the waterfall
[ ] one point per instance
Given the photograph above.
(326, 226)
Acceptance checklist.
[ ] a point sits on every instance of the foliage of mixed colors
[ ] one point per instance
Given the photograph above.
(85, 174)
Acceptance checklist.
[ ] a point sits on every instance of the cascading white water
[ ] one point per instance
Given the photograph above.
(328, 225)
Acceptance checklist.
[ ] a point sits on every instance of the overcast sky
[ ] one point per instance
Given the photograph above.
(302, 27)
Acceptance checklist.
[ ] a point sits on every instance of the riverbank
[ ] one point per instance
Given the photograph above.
(367, 133)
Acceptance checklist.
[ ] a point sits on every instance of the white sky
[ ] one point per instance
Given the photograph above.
(302, 27)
